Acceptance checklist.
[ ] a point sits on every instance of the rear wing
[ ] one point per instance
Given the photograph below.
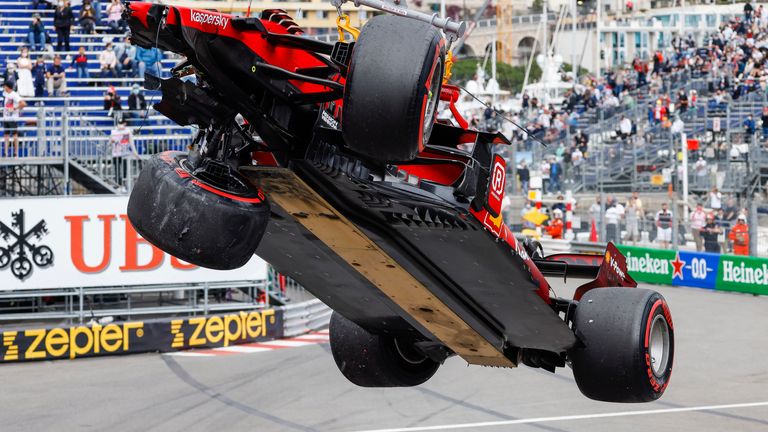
(606, 270)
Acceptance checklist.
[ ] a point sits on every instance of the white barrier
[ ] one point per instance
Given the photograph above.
(305, 317)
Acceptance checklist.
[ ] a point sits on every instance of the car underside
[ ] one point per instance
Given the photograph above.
(326, 160)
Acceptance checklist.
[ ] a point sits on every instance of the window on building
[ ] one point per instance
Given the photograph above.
(692, 20)
(711, 20)
(321, 14)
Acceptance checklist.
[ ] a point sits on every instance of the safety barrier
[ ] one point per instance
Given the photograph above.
(304, 317)
(162, 335)
(698, 269)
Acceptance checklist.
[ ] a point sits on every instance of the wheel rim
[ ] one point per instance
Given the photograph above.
(658, 345)
(433, 95)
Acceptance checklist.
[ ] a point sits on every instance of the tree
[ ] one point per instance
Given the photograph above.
(509, 77)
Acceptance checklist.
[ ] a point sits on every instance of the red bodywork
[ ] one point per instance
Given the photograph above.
(447, 163)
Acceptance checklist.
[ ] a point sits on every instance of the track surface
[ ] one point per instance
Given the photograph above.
(721, 359)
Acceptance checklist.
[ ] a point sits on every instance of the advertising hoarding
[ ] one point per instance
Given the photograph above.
(66, 242)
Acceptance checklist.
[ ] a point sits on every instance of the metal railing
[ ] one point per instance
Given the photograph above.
(79, 305)
(66, 136)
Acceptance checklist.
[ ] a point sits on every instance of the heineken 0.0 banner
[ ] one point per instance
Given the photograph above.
(743, 274)
(697, 269)
(649, 265)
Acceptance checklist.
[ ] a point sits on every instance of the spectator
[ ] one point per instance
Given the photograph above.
(36, 35)
(577, 159)
(715, 199)
(87, 18)
(663, 221)
(632, 218)
(112, 103)
(749, 125)
(710, 233)
(638, 203)
(555, 169)
(12, 106)
(115, 19)
(613, 216)
(39, 75)
(136, 104)
(764, 118)
(148, 60)
(57, 78)
(748, 9)
(80, 63)
(739, 235)
(25, 85)
(10, 76)
(126, 58)
(121, 139)
(555, 227)
(595, 210)
(62, 21)
(625, 127)
(700, 168)
(525, 177)
(108, 62)
(698, 220)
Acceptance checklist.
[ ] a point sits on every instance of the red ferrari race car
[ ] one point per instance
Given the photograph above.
(326, 160)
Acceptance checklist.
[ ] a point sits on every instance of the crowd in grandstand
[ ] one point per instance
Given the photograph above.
(715, 225)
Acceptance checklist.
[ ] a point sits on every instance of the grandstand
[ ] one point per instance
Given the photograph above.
(67, 137)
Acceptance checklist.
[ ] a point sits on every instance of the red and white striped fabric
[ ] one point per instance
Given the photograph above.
(314, 338)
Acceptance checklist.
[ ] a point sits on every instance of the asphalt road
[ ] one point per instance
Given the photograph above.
(720, 383)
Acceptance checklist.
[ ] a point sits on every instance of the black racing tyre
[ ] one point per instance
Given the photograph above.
(193, 220)
(393, 88)
(369, 360)
(628, 345)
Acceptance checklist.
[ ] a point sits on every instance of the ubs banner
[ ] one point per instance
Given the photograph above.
(62, 242)
(51, 343)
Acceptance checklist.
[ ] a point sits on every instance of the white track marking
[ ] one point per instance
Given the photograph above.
(243, 349)
(314, 336)
(190, 354)
(287, 343)
(570, 417)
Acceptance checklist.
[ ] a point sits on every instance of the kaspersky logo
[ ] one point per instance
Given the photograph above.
(208, 18)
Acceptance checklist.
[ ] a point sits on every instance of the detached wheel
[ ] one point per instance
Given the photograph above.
(393, 88)
(628, 345)
(211, 221)
(369, 360)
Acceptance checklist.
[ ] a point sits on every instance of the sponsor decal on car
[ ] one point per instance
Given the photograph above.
(329, 120)
(209, 18)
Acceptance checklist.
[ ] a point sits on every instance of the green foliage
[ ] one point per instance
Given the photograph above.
(509, 77)
(582, 71)
(537, 6)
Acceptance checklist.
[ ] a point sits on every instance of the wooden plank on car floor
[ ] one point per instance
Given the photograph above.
(286, 190)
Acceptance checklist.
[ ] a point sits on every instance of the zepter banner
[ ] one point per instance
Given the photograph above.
(63, 242)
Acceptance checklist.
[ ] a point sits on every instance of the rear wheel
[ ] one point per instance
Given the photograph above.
(210, 217)
(370, 360)
(393, 88)
(628, 345)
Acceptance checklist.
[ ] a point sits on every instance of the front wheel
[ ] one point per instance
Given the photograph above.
(370, 360)
(212, 218)
(393, 88)
(628, 345)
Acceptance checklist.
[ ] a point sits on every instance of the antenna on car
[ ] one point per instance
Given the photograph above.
(453, 29)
